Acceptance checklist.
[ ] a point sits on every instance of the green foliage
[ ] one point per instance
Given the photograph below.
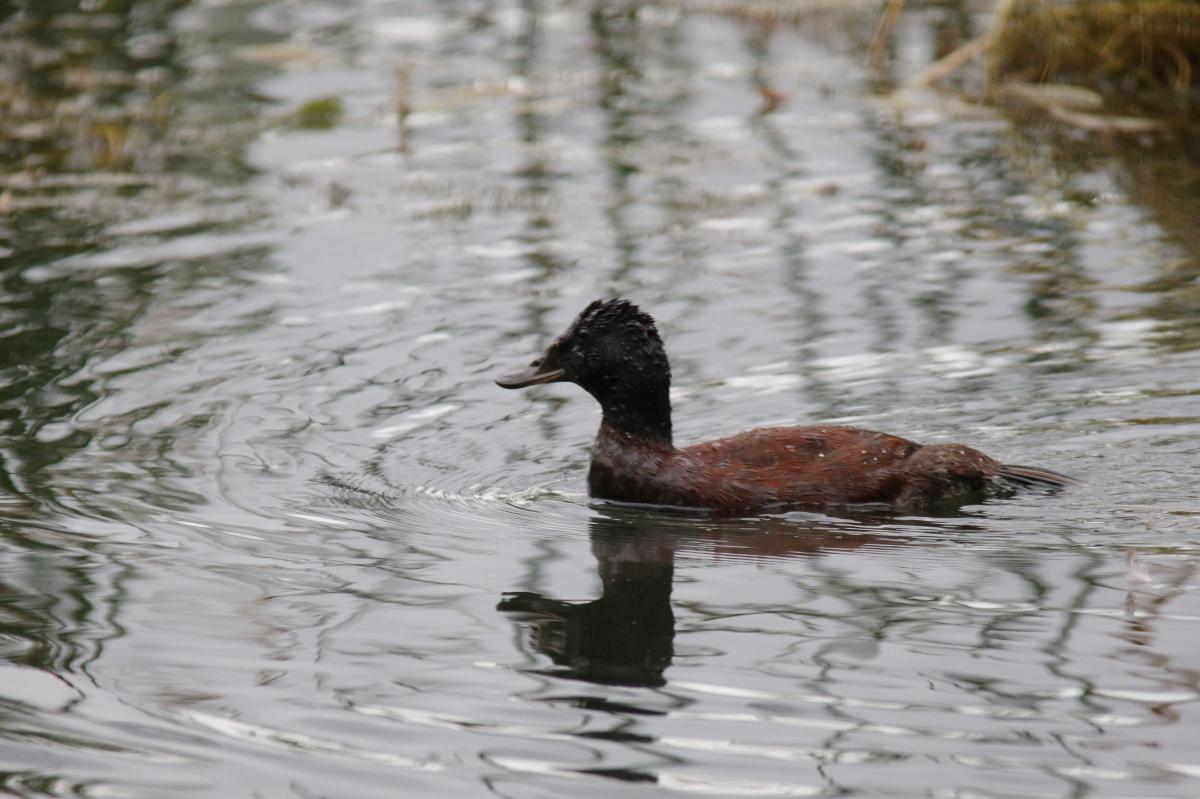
(322, 113)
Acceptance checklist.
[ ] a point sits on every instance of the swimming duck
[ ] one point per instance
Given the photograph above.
(613, 351)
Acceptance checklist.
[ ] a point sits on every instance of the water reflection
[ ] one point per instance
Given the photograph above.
(89, 134)
(85, 89)
(618, 36)
(626, 636)
(788, 172)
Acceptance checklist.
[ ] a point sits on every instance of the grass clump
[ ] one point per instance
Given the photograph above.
(323, 113)
(1143, 55)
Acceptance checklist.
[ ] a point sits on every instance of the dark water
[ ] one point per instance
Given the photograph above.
(267, 528)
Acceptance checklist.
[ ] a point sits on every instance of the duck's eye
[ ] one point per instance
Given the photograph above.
(536, 362)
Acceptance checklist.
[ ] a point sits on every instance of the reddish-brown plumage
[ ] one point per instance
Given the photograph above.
(614, 352)
(787, 467)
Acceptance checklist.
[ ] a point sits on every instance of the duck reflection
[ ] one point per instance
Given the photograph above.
(627, 635)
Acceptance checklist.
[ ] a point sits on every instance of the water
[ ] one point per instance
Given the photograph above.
(267, 527)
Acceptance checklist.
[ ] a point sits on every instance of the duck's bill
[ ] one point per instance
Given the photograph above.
(533, 376)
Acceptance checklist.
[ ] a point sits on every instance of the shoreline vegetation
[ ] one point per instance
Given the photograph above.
(1117, 66)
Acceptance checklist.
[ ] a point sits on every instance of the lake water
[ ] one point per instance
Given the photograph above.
(268, 528)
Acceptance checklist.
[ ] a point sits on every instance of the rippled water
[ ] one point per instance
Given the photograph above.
(267, 527)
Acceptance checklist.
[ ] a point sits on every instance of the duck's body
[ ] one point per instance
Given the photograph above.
(614, 352)
(776, 467)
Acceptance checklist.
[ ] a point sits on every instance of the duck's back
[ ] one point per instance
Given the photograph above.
(824, 466)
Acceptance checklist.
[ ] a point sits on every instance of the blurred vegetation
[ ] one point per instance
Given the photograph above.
(1115, 46)
(1124, 66)
(85, 86)
(89, 119)
(1142, 57)
(321, 113)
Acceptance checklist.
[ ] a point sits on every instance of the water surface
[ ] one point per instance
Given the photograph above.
(267, 527)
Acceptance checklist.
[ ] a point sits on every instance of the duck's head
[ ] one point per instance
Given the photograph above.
(613, 351)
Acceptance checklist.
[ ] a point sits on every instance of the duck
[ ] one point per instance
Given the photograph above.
(614, 352)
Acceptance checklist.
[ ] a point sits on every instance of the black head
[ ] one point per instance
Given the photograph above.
(613, 351)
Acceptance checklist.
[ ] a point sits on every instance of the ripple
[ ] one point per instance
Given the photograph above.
(1148, 697)
(699, 784)
(851, 703)
(447, 721)
(670, 780)
(763, 383)
(454, 509)
(35, 688)
(198, 247)
(414, 419)
(787, 753)
(295, 741)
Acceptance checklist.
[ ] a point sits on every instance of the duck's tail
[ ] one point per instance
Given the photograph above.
(1034, 477)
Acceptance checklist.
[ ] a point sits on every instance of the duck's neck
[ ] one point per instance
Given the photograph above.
(640, 412)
